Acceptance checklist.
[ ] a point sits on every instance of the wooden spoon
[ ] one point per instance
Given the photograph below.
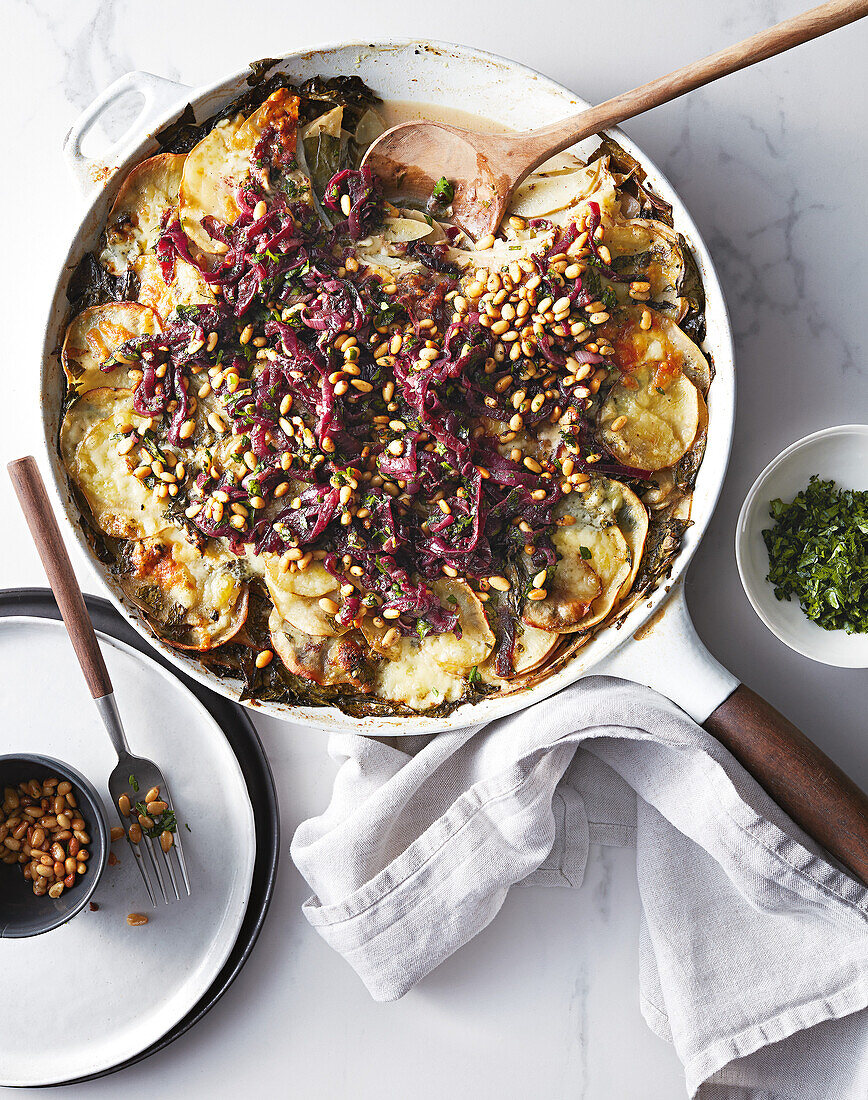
(485, 169)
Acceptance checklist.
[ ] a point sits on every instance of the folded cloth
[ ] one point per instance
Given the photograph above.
(754, 948)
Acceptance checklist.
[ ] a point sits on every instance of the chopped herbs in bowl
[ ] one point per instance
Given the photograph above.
(818, 552)
(802, 546)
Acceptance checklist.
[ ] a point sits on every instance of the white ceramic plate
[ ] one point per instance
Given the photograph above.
(128, 985)
(841, 454)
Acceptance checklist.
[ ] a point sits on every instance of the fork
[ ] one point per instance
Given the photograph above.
(131, 771)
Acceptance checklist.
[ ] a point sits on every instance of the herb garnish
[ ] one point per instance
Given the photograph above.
(818, 552)
(443, 191)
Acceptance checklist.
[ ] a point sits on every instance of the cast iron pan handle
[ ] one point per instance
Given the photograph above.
(803, 781)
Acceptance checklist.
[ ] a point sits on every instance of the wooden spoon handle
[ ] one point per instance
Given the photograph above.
(38, 512)
(783, 36)
(803, 781)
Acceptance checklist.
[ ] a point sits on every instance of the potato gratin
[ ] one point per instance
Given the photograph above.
(345, 455)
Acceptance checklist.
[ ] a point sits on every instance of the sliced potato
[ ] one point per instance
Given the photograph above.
(375, 635)
(662, 418)
(194, 599)
(452, 653)
(325, 661)
(213, 171)
(571, 591)
(544, 194)
(594, 562)
(93, 337)
(296, 596)
(122, 506)
(608, 498)
(648, 250)
(313, 581)
(187, 288)
(664, 347)
(533, 647)
(135, 218)
(220, 164)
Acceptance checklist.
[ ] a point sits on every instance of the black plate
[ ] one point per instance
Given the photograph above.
(239, 732)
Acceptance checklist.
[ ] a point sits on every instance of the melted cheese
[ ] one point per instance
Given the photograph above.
(122, 506)
(663, 416)
(203, 586)
(93, 337)
(415, 679)
(187, 288)
(135, 219)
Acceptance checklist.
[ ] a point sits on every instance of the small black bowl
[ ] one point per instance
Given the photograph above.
(22, 913)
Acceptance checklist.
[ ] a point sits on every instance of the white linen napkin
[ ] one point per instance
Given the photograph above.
(754, 948)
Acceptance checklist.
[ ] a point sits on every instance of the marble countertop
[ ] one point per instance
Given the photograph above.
(771, 163)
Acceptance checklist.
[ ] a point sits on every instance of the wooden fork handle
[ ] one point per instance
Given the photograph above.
(803, 781)
(34, 501)
(768, 43)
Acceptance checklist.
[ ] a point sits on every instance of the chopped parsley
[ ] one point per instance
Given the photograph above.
(443, 191)
(818, 552)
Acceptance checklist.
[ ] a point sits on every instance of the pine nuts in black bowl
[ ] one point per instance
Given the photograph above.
(53, 844)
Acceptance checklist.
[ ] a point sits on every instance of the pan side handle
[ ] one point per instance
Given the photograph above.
(803, 781)
(156, 95)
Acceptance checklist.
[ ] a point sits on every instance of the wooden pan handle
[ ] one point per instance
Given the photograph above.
(803, 781)
(38, 512)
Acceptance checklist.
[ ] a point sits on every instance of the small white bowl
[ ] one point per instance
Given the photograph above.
(841, 454)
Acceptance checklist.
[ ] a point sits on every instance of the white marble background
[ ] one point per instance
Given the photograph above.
(772, 164)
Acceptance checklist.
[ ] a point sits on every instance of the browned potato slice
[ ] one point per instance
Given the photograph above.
(297, 598)
(325, 661)
(573, 588)
(662, 417)
(533, 647)
(213, 171)
(219, 165)
(662, 261)
(187, 288)
(594, 562)
(134, 222)
(454, 654)
(93, 337)
(194, 599)
(614, 499)
(375, 635)
(92, 430)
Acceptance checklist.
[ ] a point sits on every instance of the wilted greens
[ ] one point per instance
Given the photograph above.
(818, 552)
